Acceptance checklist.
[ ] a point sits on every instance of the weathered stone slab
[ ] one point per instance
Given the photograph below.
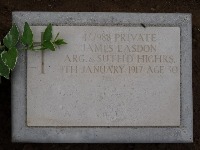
(106, 76)
(173, 124)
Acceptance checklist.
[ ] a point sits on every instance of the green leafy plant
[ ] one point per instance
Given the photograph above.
(9, 50)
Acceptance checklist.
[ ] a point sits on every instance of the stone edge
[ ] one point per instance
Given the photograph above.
(182, 134)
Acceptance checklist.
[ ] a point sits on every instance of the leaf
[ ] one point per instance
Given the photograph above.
(27, 37)
(15, 34)
(7, 41)
(60, 42)
(48, 45)
(47, 36)
(11, 39)
(10, 57)
(4, 70)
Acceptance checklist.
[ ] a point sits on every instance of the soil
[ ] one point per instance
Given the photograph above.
(148, 6)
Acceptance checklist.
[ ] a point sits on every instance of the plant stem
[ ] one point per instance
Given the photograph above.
(56, 36)
(36, 49)
(2, 47)
(37, 44)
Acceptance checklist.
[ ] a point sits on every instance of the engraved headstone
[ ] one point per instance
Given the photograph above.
(106, 76)
(122, 78)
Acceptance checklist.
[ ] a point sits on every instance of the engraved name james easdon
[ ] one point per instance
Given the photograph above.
(106, 76)
(120, 49)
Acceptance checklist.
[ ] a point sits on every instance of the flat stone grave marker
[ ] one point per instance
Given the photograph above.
(106, 76)
(121, 78)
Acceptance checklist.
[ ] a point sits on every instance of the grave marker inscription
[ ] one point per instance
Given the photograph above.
(122, 78)
(106, 76)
